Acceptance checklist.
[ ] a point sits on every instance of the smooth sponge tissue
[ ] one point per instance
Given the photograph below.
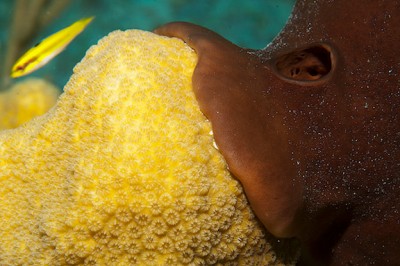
(123, 171)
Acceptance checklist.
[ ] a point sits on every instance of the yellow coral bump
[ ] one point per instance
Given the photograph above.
(26, 100)
(123, 171)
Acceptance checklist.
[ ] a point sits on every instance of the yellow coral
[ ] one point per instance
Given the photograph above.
(123, 170)
(26, 100)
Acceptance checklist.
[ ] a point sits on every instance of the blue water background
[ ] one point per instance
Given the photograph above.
(250, 23)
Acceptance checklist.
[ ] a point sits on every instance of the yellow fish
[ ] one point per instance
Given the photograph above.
(47, 49)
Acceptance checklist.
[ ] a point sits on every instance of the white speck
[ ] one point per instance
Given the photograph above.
(366, 105)
(215, 145)
(211, 133)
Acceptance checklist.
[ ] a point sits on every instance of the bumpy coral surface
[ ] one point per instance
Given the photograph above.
(123, 170)
(26, 100)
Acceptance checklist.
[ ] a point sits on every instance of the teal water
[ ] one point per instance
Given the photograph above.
(251, 23)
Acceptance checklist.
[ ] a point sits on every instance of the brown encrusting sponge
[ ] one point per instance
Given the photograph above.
(123, 170)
